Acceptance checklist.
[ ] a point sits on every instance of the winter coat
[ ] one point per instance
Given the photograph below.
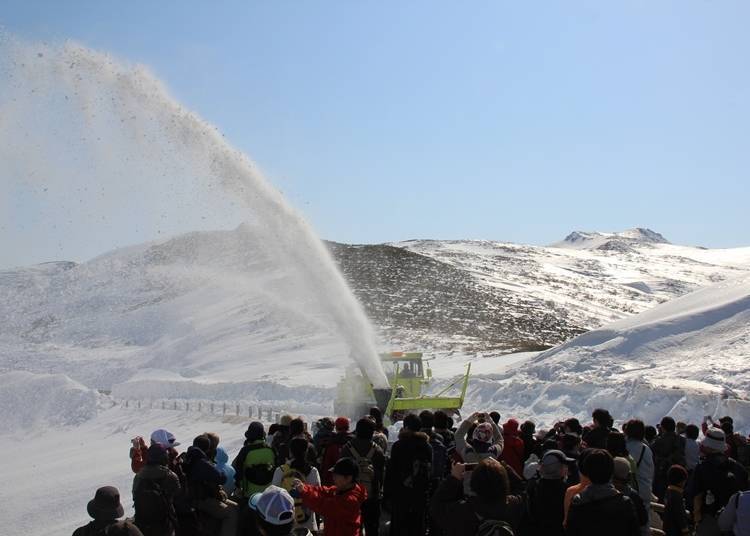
(514, 448)
(669, 450)
(692, 453)
(313, 479)
(95, 528)
(362, 447)
(458, 515)
(545, 507)
(221, 463)
(253, 453)
(601, 509)
(449, 438)
(674, 516)
(476, 452)
(280, 444)
(204, 478)
(166, 479)
(332, 453)
(644, 462)
(736, 516)
(712, 474)
(596, 438)
(411, 451)
(341, 510)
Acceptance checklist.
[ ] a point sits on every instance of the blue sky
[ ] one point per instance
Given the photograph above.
(512, 121)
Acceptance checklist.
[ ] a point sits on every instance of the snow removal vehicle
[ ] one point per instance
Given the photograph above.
(409, 376)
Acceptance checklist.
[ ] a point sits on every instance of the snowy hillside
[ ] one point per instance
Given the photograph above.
(212, 307)
(687, 358)
(585, 281)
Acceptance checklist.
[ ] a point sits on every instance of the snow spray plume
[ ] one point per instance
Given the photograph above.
(70, 116)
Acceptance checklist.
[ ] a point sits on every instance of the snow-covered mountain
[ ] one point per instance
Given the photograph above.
(498, 297)
(212, 307)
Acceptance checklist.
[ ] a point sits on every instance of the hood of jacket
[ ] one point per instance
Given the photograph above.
(221, 456)
(193, 455)
(410, 435)
(511, 427)
(595, 492)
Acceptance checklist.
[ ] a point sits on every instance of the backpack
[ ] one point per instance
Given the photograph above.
(493, 527)
(259, 474)
(290, 474)
(742, 512)
(722, 488)
(366, 468)
(419, 478)
(152, 506)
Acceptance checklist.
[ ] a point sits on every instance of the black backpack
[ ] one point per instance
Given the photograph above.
(152, 506)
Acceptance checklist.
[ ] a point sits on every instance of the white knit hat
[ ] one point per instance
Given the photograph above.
(715, 440)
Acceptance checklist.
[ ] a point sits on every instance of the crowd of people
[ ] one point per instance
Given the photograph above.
(484, 477)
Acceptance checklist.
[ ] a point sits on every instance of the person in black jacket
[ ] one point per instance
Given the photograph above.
(546, 496)
(669, 450)
(362, 449)
(105, 509)
(204, 486)
(407, 480)
(716, 478)
(600, 508)
(596, 436)
(458, 515)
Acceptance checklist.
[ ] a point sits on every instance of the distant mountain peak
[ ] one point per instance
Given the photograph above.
(620, 240)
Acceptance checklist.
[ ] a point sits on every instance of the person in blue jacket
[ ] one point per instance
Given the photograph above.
(222, 459)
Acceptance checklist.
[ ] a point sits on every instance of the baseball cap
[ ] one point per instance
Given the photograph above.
(274, 505)
(164, 437)
(552, 463)
(346, 467)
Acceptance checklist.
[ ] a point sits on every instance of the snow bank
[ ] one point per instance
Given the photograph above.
(687, 358)
(31, 400)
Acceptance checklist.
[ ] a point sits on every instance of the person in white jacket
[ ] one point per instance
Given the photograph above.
(298, 468)
(644, 462)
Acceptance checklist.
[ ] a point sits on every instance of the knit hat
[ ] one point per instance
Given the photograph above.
(255, 431)
(274, 506)
(342, 424)
(552, 463)
(164, 437)
(157, 454)
(715, 440)
(106, 504)
(621, 469)
(483, 433)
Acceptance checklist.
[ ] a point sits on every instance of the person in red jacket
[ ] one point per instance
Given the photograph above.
(139, 449)
(340, 504)
(514, 449)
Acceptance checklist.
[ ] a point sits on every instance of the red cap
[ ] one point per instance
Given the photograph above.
(342, 423)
